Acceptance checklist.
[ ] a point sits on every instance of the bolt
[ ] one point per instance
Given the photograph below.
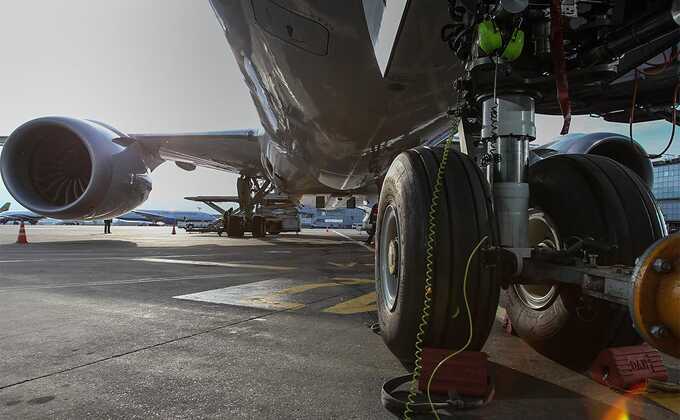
(659, 331)
(662, 266)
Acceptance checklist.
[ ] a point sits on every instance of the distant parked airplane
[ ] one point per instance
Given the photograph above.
(18, 216)
(168, 217)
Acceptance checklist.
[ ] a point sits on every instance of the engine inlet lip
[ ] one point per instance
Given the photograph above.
(17, 154)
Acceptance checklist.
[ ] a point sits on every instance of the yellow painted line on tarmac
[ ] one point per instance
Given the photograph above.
(305, 287)
(343, 265)
(350, 280)
(365, 303)
(667, 400)
(214, 264)
(272, 303)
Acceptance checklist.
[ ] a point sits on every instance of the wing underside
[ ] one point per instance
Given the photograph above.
(232, 151)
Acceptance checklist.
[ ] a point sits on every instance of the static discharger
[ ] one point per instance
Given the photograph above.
(628, 367)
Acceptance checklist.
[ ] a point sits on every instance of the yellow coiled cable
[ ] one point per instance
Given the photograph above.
(427, 303)
(429, 269)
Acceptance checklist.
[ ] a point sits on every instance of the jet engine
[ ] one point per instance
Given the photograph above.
(69, 168)
(615, 146)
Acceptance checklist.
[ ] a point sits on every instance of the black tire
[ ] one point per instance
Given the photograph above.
(465, 217)
(259, 227)
(274, 227)
(235, 227)
(586, 196)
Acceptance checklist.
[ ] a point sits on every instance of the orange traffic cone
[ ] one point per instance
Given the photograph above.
(173, 230)
(22, 239)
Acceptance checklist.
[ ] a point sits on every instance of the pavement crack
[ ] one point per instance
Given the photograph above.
(163, 343)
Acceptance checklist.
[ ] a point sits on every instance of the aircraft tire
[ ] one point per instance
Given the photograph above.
(465, 217)
(585, 196)
(274, 227)
(235, 227)
(259, 227)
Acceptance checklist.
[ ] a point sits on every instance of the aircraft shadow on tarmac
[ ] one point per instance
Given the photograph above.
(518, 395)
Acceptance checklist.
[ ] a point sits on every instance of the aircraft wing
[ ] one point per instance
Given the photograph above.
(232, 151)
(153, 217)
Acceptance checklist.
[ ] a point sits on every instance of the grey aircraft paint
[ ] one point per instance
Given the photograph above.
(331, 119)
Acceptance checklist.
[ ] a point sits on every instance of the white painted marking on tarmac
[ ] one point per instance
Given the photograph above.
(105, 258)
(119, 282)
(370, 248)
(264, 294)
(213, 264)
(276, 294)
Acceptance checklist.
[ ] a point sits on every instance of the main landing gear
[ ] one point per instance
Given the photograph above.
(251, 193)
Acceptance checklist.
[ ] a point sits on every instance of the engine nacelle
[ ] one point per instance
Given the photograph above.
(69, 168)
(615, 146)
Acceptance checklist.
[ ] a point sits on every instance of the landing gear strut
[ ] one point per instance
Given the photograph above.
(251, 192)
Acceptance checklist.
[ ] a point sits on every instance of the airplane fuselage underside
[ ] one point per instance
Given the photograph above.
(332, 121)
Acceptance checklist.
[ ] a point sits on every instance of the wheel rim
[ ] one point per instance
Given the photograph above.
(389, 258)
(542, 234)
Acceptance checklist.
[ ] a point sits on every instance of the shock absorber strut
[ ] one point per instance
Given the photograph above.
(508, 127)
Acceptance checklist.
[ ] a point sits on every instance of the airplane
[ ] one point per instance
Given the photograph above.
(7, 216)
(363, 97)
(168, 217)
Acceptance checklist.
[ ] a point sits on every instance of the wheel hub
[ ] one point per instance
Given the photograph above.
(388, 261)
(542, 234)
(393, 257)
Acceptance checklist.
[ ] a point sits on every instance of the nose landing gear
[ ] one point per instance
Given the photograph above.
(579, 199)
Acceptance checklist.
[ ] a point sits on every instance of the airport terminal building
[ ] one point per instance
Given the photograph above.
(667, 190)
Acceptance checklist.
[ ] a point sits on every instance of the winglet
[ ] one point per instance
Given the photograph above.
(4, 207)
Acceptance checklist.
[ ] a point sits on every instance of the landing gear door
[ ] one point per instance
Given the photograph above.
(398, 28)
(384, 19)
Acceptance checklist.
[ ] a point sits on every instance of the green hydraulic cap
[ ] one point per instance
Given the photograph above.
(515, 46)
(489, 37)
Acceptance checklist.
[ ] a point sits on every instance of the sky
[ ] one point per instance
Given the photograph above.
(154, 66)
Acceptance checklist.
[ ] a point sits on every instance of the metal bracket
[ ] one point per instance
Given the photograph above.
(610, 283)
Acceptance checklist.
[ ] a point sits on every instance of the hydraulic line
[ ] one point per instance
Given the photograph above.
(631, 118)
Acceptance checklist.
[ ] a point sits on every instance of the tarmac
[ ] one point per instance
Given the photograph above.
(145, 324)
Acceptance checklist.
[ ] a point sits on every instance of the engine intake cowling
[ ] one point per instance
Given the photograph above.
(69, 168)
